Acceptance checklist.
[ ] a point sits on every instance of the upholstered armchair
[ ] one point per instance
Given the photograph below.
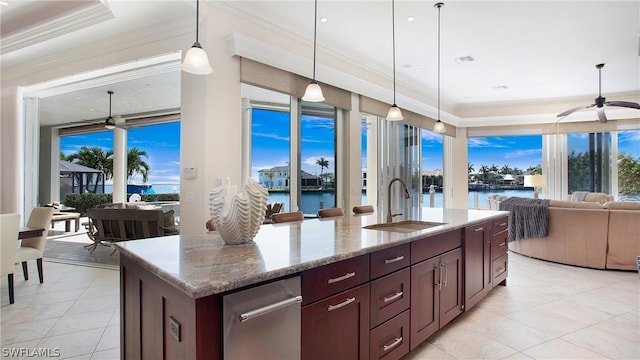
(9, 228)
(33, 248)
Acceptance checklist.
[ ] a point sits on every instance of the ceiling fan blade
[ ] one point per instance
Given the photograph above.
(570, 111)
(627, 104)
(601, 116)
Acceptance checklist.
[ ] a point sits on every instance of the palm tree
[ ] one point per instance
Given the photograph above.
(270, 175)
(323, 163)
(135, 164)
(484, 169)
(95, 158)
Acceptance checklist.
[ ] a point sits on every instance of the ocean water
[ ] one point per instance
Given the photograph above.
(311, 201)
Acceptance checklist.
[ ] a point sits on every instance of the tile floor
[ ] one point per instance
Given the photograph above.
(547, 311)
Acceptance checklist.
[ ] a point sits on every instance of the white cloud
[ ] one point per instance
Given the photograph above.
(271, 136)
(483, 142)
(522, 153)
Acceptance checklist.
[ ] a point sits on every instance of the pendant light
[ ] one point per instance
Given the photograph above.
(439, 127)
(110, 124)
(394, 113)
(313, 92)
(196, 60)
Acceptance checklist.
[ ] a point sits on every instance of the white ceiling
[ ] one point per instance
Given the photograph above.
(525, 52)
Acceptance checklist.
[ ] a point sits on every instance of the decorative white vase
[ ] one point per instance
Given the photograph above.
(237, 216)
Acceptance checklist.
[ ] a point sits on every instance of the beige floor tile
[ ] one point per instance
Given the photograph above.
(602, 342)
(80, 322)
(86, 305)
(561, 349)
(39, 311)
(111, 354)
(549, 323)
(465, 344)
(427, 351)
(626, 326)
(26, 331)
(73, 344)
(110, 339)
(572, 309)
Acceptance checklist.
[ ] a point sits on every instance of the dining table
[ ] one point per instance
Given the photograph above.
(26, 232)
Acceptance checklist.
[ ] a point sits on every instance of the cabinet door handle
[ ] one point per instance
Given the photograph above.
(503, 224)
(340, 278)
(439, 283)
(269, 308)
(502, 244)
(395, 343)
(446, 275)
(395, 259)
(393, 297)
(478, 229)
(344, 303)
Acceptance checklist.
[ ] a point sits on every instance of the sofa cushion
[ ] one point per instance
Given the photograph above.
(622, 205)
(574, 204)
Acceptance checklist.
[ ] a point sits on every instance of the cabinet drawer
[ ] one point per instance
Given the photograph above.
(435, 245)
(391, 339)
(390, 295)
(389, 260)
(500, 224)
(330, 279)
(337, 327)
(499, 268)
(499, 244)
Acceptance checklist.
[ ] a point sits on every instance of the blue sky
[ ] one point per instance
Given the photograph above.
(270, 146)
(161, 142)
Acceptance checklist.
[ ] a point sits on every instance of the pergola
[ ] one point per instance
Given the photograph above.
(79, 179)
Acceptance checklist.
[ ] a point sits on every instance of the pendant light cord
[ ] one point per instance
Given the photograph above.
(439, 6)
(197, 19)
(315, 30)
(393, 46)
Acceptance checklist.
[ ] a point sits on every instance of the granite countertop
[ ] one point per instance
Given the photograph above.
(201, 264)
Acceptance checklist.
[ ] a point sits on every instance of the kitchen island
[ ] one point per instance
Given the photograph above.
(172, 288)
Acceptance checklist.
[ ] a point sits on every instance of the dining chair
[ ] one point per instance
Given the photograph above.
(287, 217)
(9, 228)
(331, 212)
(33, 248)
(363, 209)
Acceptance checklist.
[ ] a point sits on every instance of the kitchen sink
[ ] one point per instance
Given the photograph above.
(406, 226)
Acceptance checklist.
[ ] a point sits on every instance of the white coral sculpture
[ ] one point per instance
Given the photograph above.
(237, 216)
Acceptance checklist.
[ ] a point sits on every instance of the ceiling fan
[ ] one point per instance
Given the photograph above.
(600, 102)
(110, 123)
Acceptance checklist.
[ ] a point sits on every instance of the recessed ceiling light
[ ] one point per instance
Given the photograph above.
(410, 18)
(323, 19)
(4, 3)
(464, 59)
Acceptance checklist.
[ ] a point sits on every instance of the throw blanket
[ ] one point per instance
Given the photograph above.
(528, 218)
(578, 195)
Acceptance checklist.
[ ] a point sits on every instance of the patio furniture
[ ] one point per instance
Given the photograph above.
(106, 226)
(66, 217)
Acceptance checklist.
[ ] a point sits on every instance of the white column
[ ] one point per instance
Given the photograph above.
(12, 152)
(372, 160)
(456, 170)
(119, 163)
(294, 155)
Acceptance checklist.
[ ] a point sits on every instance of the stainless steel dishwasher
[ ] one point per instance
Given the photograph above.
(263, 322)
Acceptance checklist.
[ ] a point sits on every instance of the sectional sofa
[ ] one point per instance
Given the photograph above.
(590, 234)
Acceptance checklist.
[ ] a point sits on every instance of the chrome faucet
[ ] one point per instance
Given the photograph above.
(406, 196)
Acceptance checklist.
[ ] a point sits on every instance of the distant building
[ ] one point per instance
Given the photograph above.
(279, 176)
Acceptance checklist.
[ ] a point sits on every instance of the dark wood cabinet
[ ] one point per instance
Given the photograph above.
(499, 255)
(477, 262)
(390, 295)
(390, 341)
(337, 327)
(436, 294)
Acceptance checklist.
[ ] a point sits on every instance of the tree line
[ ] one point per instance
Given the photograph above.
(96, 158)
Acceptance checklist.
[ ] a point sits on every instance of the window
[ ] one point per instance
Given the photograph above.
(497, 165)
(628, 146)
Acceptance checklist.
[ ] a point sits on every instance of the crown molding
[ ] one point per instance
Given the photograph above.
(88, 15)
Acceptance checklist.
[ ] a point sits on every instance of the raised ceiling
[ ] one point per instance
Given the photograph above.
(533, 55)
